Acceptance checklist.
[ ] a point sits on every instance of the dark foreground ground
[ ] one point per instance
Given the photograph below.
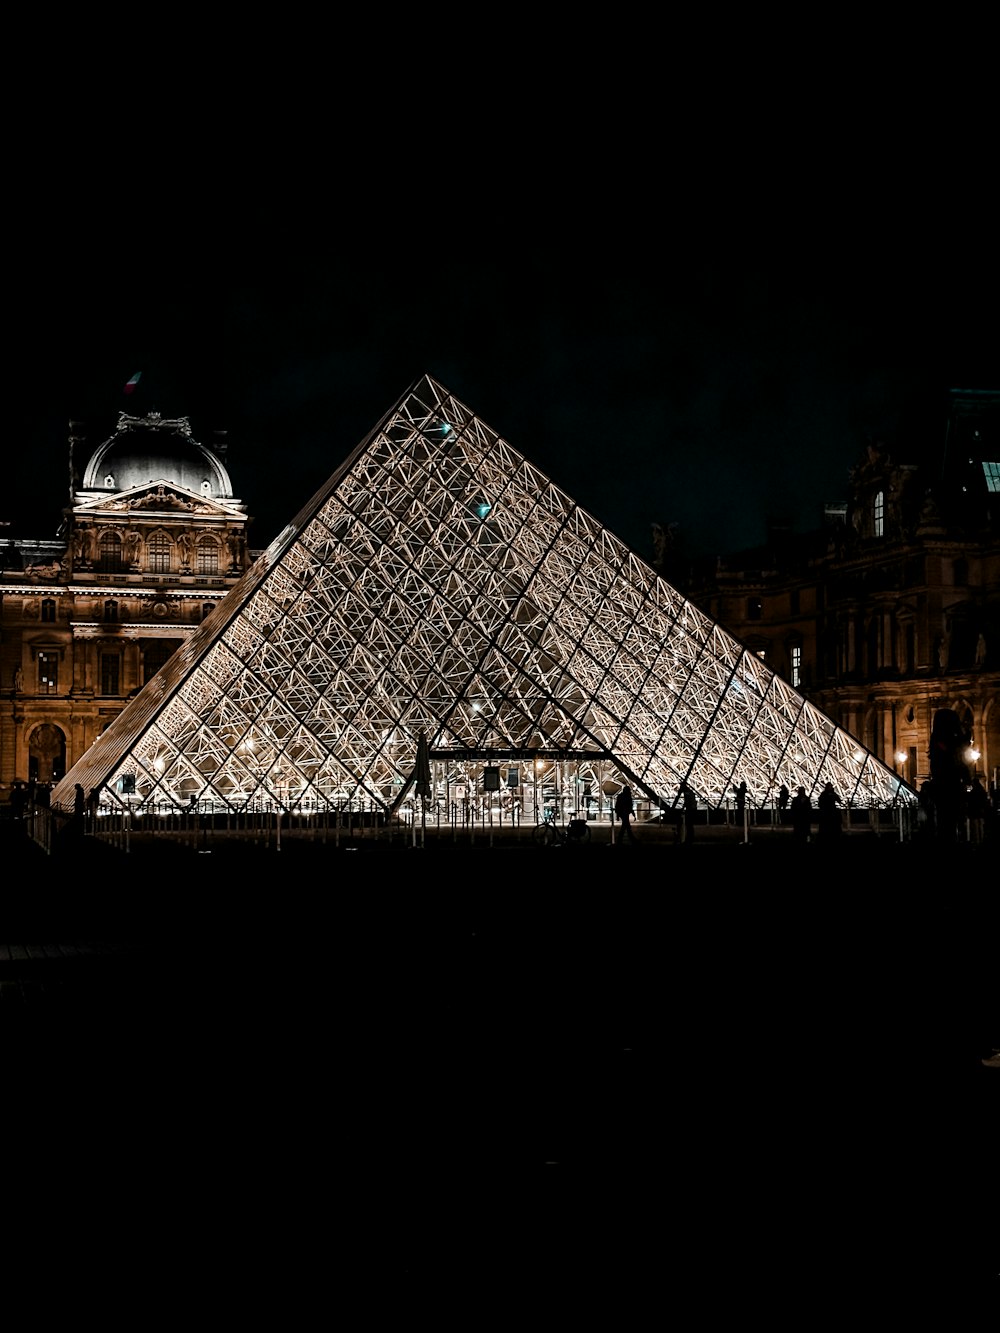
(443, 1079)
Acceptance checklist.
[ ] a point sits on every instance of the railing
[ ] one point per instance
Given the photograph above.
(201, 825)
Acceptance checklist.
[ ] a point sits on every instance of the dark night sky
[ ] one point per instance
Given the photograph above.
(686, 276)
(661, 377)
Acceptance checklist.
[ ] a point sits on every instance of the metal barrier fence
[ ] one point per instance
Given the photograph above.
(201, 825)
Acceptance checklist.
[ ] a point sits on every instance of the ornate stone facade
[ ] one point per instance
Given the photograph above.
(151, 542)
(892, 612)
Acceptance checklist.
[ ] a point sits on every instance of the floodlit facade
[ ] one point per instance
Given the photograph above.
(891, 611)
(151, 539)
(439, 582)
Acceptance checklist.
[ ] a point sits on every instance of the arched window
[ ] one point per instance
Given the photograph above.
(206, 609)
(878, 514)
(110, 613)
(755, 608)
(48, 608)
(208, 556)
(111, 553)
(158, 553)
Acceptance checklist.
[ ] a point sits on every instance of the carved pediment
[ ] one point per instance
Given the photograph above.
(157, 497)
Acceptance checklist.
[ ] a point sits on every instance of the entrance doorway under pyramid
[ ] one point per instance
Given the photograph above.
(439, 583)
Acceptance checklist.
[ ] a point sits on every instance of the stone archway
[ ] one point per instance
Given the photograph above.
(46, 753)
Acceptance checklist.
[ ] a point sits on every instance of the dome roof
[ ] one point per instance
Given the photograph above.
(155, 448)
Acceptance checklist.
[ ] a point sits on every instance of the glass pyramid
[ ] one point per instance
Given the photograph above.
(439, 582)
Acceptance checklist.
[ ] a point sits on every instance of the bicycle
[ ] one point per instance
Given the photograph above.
(551, 834)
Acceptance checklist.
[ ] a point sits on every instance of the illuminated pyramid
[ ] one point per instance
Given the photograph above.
(439, 582)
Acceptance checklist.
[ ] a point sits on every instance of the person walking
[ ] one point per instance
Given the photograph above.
(624, 807)
(801, 814)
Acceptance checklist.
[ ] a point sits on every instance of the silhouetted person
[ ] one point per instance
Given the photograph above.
(93, 802)
(926, 813)
(741, 800)
(624, 807)
(690, 801)
(783, 794)
(73, 830)
(949, 775)
(829, 814)
(802, 813)
(979, 810)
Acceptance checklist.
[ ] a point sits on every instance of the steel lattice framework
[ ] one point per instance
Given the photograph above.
(440, 582)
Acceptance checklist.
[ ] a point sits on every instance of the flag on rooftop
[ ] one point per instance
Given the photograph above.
(130, 387)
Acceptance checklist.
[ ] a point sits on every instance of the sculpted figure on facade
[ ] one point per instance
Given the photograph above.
(234, 544)
(187, 542)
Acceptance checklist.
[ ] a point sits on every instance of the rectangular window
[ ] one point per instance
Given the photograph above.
(208, 558)
(110, 665)
(158, 554)
(48, 673)
(991, 471)
(878, 514)
(796, 667)
(755, 608)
